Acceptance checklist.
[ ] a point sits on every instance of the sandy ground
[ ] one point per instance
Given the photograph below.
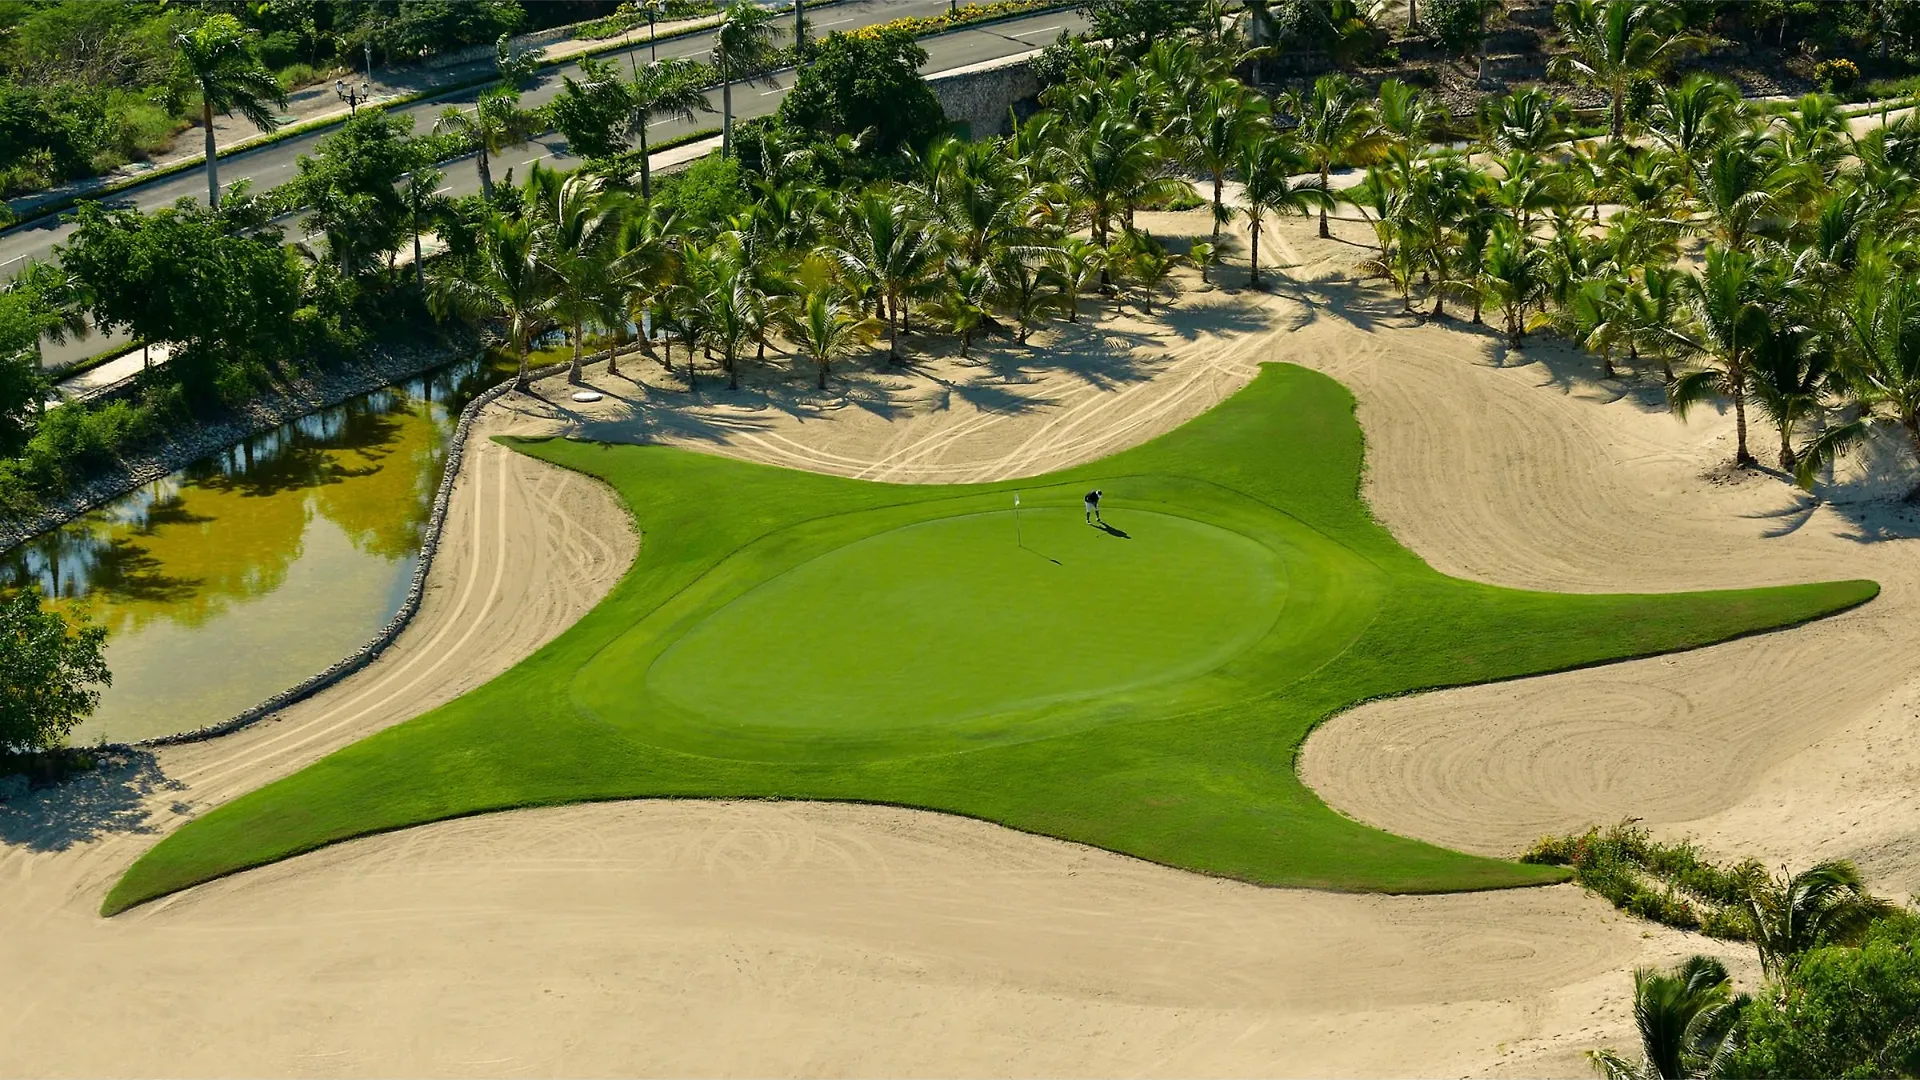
(794, 938)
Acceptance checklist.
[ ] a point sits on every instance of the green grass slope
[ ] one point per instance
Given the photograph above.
(790, 635)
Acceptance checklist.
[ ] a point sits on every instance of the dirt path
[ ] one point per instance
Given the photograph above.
(793, 938)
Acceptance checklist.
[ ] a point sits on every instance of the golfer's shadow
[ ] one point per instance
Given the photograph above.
(1111, 531)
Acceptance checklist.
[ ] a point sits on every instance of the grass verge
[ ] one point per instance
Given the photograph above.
(1191, 766)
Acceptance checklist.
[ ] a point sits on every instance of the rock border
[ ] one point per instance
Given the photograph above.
(416, 590)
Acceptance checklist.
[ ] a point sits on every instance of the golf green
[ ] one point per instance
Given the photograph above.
(1144, 687)
(961, 617)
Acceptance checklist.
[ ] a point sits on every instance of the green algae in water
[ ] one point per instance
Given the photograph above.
(248, 571)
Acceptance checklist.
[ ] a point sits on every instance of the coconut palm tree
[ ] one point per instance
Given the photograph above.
(576, 226)
(1524, 187)
(1406, 115)
(1523, 121)
(1267, 186)
(1730, 314)
(1691, 118)
(1025, 287)
(216, 56)
(507, 282)
(1615, 43)
(1744, 188)
(1335, 127)
(826, 328)
(1149, 266)
(1878, 338)
(645, 250)
(1825, 904)
(1687, 1019)
(1108, 168)
(1216, 124)
(496, 122)
(743, 50)
(884, 245)
(960, 300)
(1510, 276)
(422, 203)
(1790, 374)
(1075, 264)
(663, 90)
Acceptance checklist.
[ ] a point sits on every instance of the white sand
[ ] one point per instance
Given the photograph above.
(767, 938)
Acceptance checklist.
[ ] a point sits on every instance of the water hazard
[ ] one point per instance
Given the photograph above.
(244, 573)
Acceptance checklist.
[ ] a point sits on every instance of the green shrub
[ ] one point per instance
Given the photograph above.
(1620, 862)
(1837, 75)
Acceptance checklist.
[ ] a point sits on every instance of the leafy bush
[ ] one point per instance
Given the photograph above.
(1840, 1011)
(1837, 75)
(1455, 25)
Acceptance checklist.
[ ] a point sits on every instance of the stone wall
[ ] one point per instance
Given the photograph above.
(981, 95)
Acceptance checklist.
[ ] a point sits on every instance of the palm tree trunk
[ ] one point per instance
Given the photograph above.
(733, 370)
(419, 264)
(1325, 179)
(1216, 214)
(1787, 460)
(573, 373)
(1619, 114)
(823, 372)
(486, 174)
(1253, 253)
(1741, 458)
(726, 117)
(520, 381)
(613, 352)
(213, 159)
(646, 170)
(893, 335)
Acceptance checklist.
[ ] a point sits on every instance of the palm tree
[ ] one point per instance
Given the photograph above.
(1742, 188)
(1075, 264)
(662, 90)
(1406, 114)
(743, 49)
(1691, 118)
(1615, 43)
(1730, 315)
(1791, 369)
(1687, 1019)
(1878, 337)
(961, 300)
(422, 203)
(1510, 275)
(1524, 121)
(826, 329)
(217, 56)
(640, 273)
(507, 282)
(576, 226)
(1149, 266)
(1825, 904)
(1026, 288)
(886, 246)
(1108, 168)
(496, 122)
(1335, 127)
(1267, 170)
(1218, 124)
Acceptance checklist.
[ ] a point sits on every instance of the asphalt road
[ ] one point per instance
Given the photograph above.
(274, 164)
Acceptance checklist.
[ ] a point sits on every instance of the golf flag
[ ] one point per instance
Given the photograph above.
(1016, 498)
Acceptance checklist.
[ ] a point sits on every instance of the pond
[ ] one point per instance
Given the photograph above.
(250, 570)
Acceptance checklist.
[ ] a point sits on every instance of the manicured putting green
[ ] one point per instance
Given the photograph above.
(789, 635)
(959, 617)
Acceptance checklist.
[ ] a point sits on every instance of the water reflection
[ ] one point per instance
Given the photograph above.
(249, 570)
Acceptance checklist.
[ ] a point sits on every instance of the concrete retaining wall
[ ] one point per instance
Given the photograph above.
(981, 95)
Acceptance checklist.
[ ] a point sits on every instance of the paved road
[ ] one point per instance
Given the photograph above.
(274, 164)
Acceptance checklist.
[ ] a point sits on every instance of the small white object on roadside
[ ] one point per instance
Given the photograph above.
(586, 395)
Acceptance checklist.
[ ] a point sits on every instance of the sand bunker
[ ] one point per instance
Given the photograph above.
(769, 938)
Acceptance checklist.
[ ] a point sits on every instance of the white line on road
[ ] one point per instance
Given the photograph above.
(1042, 30)
(542, 157)
(775, 90)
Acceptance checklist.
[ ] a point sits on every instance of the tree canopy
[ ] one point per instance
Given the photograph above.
(48, 670)
(869, 86)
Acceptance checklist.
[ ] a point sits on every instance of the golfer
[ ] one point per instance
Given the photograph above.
(1093, 507)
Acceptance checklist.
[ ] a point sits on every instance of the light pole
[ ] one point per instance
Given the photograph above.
(354, 96)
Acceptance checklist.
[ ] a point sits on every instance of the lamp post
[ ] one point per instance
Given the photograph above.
(354, 96)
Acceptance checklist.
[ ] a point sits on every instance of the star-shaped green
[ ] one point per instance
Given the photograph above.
(1143, 686)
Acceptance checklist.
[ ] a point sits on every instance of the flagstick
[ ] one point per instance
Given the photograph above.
(1017, 536)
